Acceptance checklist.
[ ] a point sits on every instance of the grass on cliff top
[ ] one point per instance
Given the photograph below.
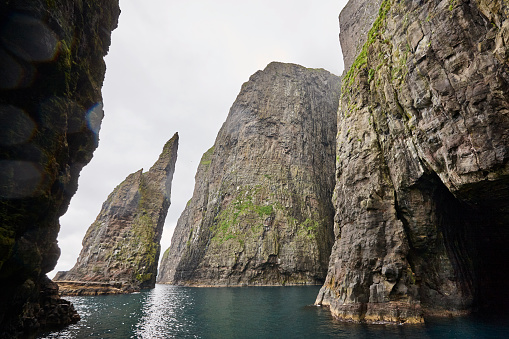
(206, 158)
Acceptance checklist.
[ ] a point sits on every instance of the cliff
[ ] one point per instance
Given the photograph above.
(422, 192)
(355, 21)
(121, 248)
(51, 73)
(261, 212)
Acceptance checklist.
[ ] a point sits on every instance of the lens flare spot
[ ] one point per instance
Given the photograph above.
(94, 117)
(13, 73)
(16, 126)
(19, 179)
(29, 38)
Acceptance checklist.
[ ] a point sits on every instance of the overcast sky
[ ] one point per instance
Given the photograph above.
(177, 66)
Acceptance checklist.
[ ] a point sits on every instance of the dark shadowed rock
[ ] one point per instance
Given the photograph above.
(422, 192)
(51, 74)
(121, 248)
(261, 212)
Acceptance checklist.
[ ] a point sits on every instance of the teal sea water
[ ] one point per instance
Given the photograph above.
(244, 312)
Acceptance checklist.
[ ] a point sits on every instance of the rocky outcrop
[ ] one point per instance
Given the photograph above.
(261, 212)
(51, 73)
(121, 248)
(78, 288)
(422, 193)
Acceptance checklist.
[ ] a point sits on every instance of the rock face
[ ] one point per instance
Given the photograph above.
(261, 212)
(51, 73)
(422, 193)
(122, 246)
(355, 21)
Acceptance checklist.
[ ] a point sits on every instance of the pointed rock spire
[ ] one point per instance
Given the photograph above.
(121, 248)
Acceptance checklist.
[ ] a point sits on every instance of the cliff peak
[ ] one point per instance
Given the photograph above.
(121, 248)
(260, 212)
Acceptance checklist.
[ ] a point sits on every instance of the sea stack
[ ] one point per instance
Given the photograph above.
(422, 192)
(51, 74)
(261, 212)
(121, 248)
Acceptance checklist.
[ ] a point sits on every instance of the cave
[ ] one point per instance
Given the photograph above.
(469, 229)
(486, 204)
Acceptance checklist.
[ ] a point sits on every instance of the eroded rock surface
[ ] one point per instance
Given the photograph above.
(422, 193)
(51, 74)
(121, 248)
(261, 212)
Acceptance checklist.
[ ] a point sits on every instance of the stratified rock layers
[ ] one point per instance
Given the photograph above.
(122, 246)
(422, 193)
(261, 212)
(51, 73)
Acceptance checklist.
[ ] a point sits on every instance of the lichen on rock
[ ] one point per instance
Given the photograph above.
(261, 212)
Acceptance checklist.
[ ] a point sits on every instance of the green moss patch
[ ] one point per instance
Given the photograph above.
(243, 210)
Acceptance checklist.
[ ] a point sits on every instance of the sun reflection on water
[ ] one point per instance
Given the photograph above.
(165, 314)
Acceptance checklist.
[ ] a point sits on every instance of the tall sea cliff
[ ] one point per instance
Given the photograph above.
(390, 187)
(422, 179)
(261, 212)
(51, 73)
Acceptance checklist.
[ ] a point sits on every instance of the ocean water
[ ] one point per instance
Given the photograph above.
(244, 312)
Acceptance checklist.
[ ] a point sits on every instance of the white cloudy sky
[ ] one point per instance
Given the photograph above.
(177, 66)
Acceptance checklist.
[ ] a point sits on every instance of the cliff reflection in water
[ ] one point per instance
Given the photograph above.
(243, 312)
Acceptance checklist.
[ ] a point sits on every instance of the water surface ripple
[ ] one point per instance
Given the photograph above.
(244, 312)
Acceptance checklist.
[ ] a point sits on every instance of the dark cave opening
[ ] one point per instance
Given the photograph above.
(493, 250)
(476, 236)
(471, 229)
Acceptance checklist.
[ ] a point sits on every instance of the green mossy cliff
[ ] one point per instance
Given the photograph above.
(261, 211)
(422, 181)
(51, 73)
(122, 246)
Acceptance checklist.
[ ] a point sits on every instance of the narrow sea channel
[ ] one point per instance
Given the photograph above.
(243, 312)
